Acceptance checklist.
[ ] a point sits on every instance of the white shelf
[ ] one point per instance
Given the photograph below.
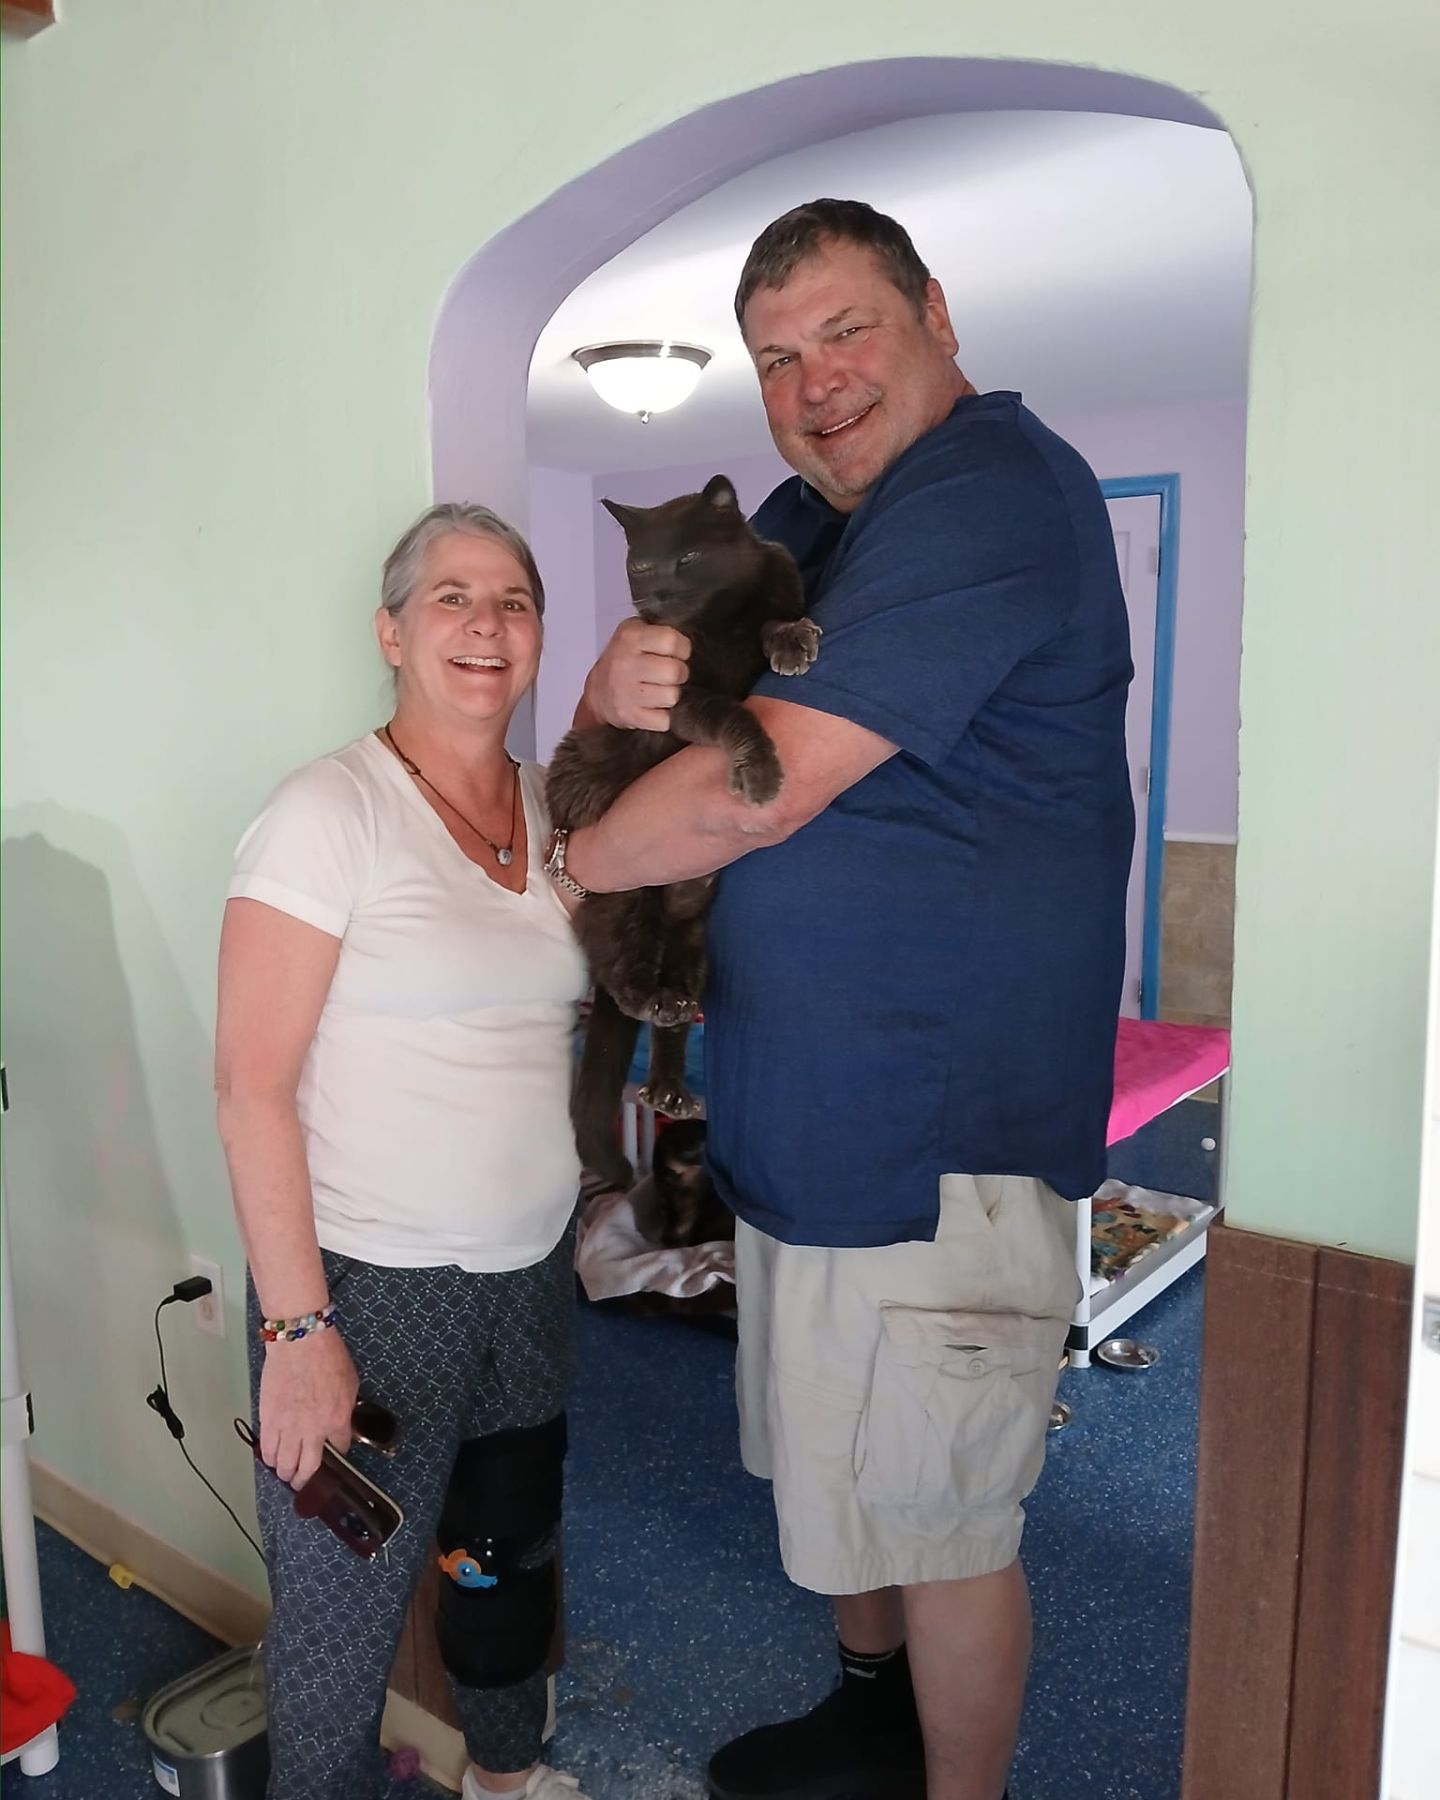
(1107, 1292)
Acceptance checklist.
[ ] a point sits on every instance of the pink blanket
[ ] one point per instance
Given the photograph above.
(1157, 1065)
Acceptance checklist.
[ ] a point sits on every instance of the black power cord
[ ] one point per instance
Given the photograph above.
(195, 1287)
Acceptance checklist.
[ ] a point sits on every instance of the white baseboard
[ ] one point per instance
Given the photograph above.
(443, 1758)
(214, 1602)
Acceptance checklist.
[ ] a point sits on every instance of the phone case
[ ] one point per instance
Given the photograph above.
(361, 1515)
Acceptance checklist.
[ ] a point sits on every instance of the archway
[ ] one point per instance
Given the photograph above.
(494, 311)
(500, 301)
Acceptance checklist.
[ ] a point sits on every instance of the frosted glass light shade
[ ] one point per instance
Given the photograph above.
(643, 377)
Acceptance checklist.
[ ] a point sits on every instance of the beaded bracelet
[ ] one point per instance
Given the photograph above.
(289, 1331)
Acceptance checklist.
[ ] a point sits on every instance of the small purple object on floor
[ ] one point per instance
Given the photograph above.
(404, 1763)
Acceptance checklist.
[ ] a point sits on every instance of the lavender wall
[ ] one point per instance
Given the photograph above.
(562, 535)
(1205, 446)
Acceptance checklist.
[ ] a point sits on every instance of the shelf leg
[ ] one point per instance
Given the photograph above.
(1080, 1359)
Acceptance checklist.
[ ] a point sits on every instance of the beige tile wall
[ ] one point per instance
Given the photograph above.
(1197, 932)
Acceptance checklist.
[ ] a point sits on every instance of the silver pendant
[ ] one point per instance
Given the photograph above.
(505, 857)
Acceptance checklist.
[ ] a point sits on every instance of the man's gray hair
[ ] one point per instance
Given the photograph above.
(402, 565)
(799, 233)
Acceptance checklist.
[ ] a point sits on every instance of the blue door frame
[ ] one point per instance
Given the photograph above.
(1167, 487)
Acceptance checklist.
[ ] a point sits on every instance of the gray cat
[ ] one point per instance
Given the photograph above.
(693, 563)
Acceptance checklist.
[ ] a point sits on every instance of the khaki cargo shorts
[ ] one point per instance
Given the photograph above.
(898, 1398)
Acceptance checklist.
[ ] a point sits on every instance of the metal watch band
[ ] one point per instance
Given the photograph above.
(556, 870)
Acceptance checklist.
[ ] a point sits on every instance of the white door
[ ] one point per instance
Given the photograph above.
(1412, 1704)
(1136, 524)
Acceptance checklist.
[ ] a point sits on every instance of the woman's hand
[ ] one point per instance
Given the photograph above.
(639, 676)
(307, 1394)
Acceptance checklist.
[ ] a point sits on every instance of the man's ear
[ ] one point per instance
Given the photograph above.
(937, 317)
(719, 490)
(387, 633)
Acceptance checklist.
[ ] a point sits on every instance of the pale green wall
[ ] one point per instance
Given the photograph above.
(228, 230)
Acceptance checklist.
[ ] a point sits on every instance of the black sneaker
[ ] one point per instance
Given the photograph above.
(824, 1755)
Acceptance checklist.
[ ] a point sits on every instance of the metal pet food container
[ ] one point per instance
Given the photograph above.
(207, 1731)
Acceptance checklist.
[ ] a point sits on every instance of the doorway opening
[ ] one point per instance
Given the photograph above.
(1079, 295)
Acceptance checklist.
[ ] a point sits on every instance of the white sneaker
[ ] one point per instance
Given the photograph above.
(544, 1783)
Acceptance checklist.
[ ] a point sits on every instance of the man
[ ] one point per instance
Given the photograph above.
(917, 953)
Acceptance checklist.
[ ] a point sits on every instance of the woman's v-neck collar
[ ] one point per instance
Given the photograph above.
(532, 825)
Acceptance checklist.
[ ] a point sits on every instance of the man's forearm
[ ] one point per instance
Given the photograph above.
(678, 821)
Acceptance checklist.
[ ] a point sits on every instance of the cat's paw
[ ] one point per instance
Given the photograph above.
(670, 1098)
(756, 775)
(663, 1006)
(791, 645)
(671, 1006)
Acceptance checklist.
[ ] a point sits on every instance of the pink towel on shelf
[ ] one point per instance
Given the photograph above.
(1157, 1065)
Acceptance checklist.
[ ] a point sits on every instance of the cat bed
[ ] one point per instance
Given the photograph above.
(1127, 1223)
(613, 1259)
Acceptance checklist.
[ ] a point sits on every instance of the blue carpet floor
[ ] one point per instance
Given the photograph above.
(682, 1627)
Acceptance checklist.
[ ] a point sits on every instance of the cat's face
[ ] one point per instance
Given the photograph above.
(693, 1212)
(682, 554)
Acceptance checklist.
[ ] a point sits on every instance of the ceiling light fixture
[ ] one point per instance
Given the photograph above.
(647, 376)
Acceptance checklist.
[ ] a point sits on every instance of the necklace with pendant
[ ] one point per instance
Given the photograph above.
(504, 853)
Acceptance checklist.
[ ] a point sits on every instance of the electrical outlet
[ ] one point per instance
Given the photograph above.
(209, 1309)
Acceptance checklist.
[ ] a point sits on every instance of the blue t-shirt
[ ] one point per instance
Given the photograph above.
(926, 977)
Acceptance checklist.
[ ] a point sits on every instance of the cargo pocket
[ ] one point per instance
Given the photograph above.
(954, 1418)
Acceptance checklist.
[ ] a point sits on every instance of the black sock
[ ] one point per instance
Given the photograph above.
(877, 1688)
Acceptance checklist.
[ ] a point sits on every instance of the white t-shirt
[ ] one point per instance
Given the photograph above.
(435, 1096)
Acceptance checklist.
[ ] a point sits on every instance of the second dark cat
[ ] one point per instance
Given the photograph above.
(678, 1206)
(693, 563)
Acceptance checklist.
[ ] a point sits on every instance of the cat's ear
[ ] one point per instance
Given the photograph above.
(624, 516)
(720, 492)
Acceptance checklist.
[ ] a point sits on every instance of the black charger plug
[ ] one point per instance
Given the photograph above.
(194, 1287)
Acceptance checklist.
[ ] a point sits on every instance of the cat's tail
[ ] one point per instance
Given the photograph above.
(600, 1089)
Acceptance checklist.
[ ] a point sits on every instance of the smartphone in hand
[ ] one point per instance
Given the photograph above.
(361, 1515)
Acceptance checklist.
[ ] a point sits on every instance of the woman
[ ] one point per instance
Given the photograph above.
(398, 983)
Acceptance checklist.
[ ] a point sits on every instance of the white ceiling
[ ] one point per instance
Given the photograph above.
(1096, 263)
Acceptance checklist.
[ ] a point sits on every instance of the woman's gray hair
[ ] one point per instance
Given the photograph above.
(402, 565)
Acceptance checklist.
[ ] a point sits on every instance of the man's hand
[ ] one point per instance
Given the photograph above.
(639, 676)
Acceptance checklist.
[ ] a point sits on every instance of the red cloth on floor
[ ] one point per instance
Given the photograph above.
(33, 1695)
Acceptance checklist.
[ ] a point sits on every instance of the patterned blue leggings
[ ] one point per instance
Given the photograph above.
(455, 1357)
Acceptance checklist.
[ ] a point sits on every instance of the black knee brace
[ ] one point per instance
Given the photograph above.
(498, 1587)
